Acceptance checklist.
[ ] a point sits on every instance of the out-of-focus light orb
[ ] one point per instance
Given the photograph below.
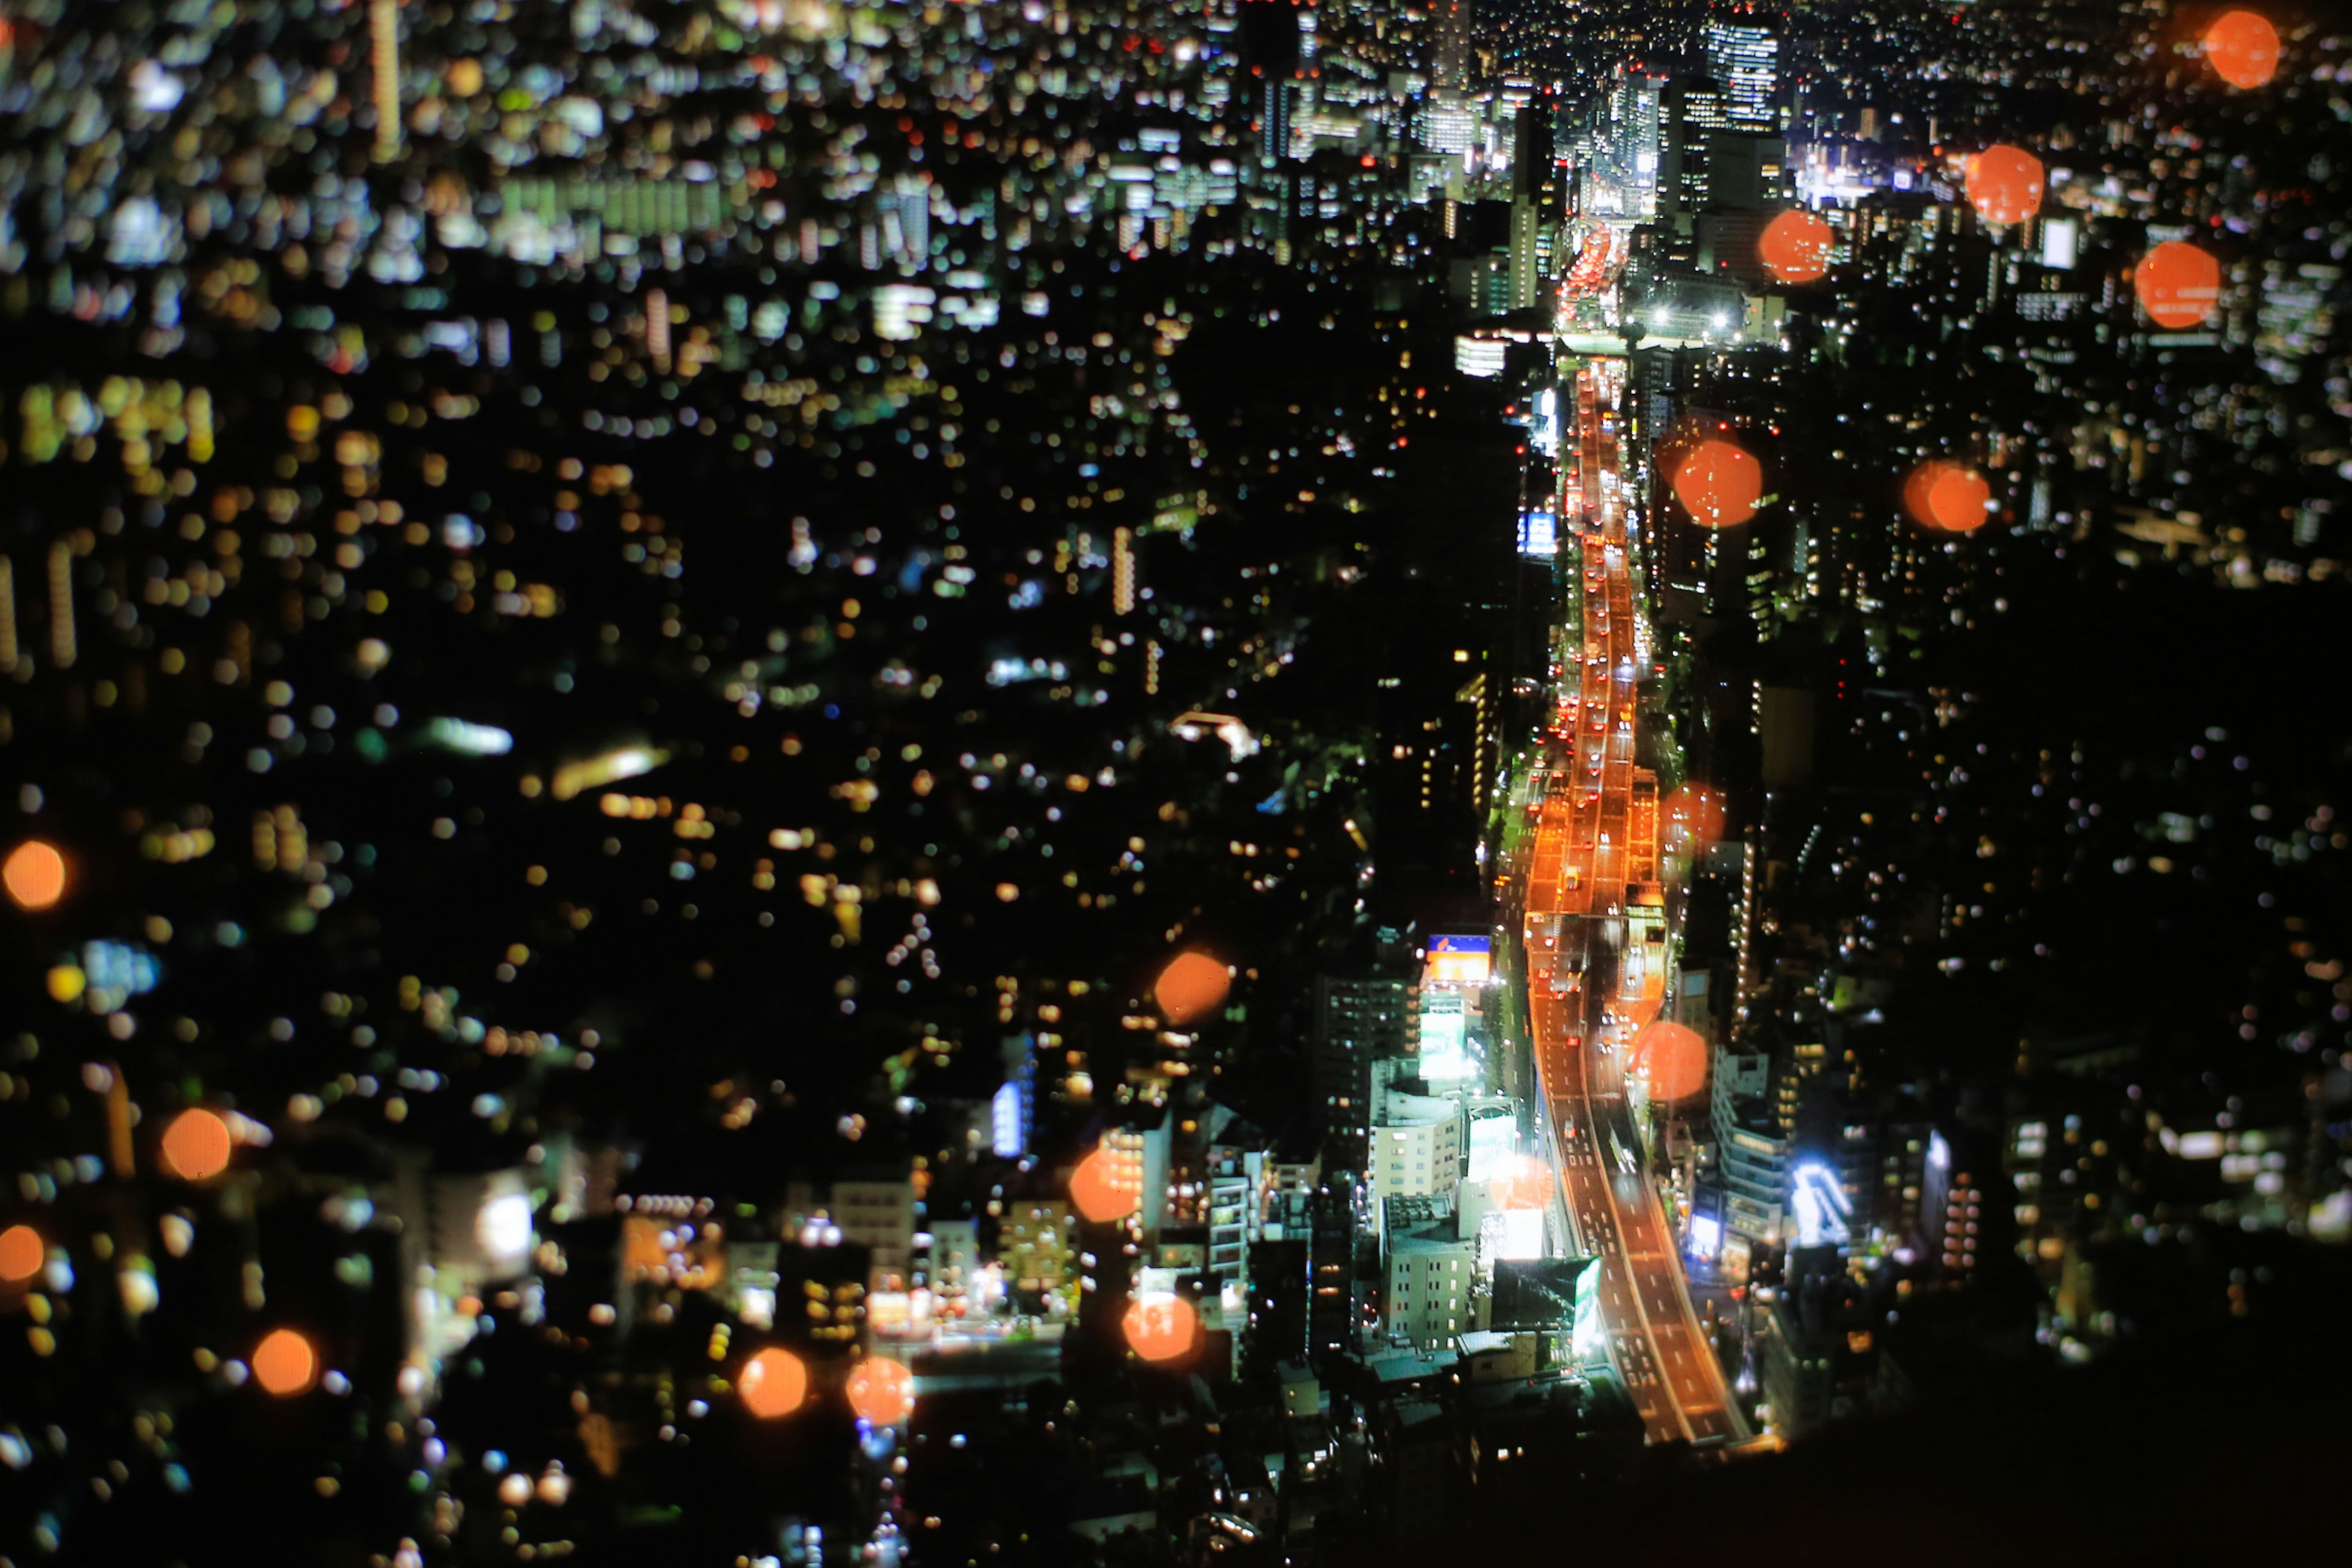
(515, 1490)
(1795, 247)
(1694, 813)
(35, 875)
(1719, 484)
(1165, 1330)
(139, 1295)
(284, 1363)
(1958, 500)
(555, 1486)
(773, 1384)
(503, 1227)
(2178, 284)
(1674, 1058)
(1193, 986)
(1526, 1184)
(1100, 1189)
(882, 1391)
(1007, 891)
(1916, 487)
(1951, 497)
(197, 1145)
(2004, 184)
(67, 982)
(2244, 49)
(22, 1254)
(465, 77)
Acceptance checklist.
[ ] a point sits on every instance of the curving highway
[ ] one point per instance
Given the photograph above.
(1594, 921)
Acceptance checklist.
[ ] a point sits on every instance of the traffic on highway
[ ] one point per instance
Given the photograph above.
(1587, 902)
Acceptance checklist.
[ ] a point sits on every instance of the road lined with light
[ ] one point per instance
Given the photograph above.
(1593, 927)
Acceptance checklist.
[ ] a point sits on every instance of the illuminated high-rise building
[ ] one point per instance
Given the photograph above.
(61, 609)
(1455, 19)
(1632, 129)
(657, 329)
(1689, 111)
(1270, 50)
(1743, 53)
(1447, 124)
(8, 617)
(1534, 193)
(1358, 1021)
(383, 60)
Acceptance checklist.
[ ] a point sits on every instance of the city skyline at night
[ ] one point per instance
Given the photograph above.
(1036, 782)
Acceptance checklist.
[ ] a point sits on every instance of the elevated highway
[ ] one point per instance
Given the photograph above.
(1593, 917)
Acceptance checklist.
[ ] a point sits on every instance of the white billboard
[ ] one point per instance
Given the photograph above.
(1445, 1039)
(1511, 1236)
(1492, 1139)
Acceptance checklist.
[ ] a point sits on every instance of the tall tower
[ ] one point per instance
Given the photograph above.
(1269, 35)
(1532, 180)
(1688, 111)
(61, 608)
(1122, 571)
(384, 60)
(1743, 53)
(8, 617)
(1454, 21)
(1360, 1019)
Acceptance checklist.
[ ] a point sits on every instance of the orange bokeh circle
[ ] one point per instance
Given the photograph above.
(882, 1391)
(35, 875)
(2244, 49)
(1916, 487)
(1694, 813)
(1162, 1331)
(1193, 986)
(1674, 1058)
(773, 1383)
(2178, 284)
(1795, 247)
(197, 1145)
(22, 1254)
(1718, 484)
(284, 1363)
(1526, 1185)
(2004, 184)
(1947, 497)
(1957, 498)
(1101, 1190)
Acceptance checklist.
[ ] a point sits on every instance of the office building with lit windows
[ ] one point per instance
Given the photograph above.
(1743, 53)
(1429, 1272)
(1359, 1019)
